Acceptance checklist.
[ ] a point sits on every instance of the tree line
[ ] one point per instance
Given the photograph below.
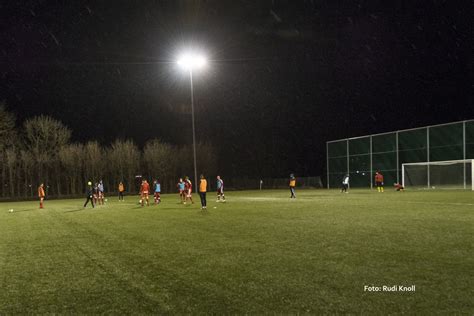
(41, 151)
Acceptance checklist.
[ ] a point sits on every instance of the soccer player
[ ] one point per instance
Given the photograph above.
(181, 188)
(345, 183)
(121, 189)
(202, 192)
(144, 191)
(379, 181)
(100, 187)
(399, 187)
(220, 189)
(89, 194)
(188, 189)
(157, 186)
(41, 194)
(292, 185)
(96, 193)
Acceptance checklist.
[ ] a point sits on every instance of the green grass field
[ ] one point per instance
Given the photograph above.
(259, 253)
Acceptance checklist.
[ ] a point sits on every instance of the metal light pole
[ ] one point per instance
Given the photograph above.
(188, 62)
(194, 132)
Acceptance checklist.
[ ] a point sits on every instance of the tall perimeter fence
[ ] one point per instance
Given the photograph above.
(270, 183)
(361, 157)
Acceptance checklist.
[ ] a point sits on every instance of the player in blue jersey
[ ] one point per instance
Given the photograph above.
(182, 194)
(101, 195)
(157, 188)
(220, 189)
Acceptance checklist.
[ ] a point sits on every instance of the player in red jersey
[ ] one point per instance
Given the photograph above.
(379, 181)
(399, 187)
(188, 189)
(144, 192)
(96, 193)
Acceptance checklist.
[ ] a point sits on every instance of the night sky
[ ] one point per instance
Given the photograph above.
(284, 77)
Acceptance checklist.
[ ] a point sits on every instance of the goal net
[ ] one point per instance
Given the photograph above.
(452, 174)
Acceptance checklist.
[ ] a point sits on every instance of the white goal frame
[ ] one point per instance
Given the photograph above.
(438, 163)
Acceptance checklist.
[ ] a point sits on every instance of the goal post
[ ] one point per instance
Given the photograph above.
(449, 174)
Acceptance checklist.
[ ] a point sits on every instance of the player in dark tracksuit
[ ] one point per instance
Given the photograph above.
(90, 194)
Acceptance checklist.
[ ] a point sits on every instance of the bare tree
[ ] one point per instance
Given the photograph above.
(71, 160)
(7, 138)
(11, 155)
(184, 155)
(207, 159)
(44, 135)
(7, 127)
(27, 163)
(46, 156)
(124, 162)
(160, 159)
(94, 161)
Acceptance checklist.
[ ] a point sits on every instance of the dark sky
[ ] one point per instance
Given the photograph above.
(283, 78)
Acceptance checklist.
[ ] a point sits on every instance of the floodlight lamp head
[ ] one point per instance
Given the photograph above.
(192, 61)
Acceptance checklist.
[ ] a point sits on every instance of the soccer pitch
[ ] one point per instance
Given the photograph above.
(258, 253)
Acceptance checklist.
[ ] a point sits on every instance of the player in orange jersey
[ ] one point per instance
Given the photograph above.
(41, 194)
(292, 185)
(202, 192)
(121, 189)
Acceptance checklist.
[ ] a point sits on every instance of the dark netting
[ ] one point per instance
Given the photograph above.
(380, 153)
(384, 143)
(359, 162)
(446, 142)
(442, 175)
(447, 176)
(416, 176)
(469, 175)
(359, 146)
(384, 156)
(359, 171)
(337, 160)
(412, 146)
(337, 149)
(470, 140)
(338, 170)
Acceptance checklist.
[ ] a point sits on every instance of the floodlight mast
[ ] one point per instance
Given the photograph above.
(190, 62)
(194, 132)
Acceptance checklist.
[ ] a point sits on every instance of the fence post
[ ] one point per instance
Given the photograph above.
(464, 150)
(327, 163)
(428, 155)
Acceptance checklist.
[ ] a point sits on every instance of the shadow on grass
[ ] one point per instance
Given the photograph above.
(139, 207)
(204, 212)
(28, 210)
(80, 209)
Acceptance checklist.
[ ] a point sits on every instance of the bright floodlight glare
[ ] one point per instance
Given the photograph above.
(188, 61)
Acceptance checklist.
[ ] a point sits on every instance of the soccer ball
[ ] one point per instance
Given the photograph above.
(105, 200)
(139, 201)
(10, 210)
